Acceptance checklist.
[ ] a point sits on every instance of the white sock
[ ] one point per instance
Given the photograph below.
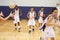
(18, 26)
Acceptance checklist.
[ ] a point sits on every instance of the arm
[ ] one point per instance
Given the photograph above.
(35, 14)
(57, 23)
(6, 17)
(39, 13)
(48, 22)
(9, 16)
(20, 13)
(28, 15)
(13, 12)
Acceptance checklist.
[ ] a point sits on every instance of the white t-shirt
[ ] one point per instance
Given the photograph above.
(31, 14)
(16, 14)
(41, 13)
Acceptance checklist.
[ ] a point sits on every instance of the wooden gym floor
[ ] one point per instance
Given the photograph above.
(7, 32)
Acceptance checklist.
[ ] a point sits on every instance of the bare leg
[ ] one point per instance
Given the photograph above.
(52, 38)
(30, 29)
(2, 18)
(9, 16)
(18, 27)
(15, 28)
(6, 17)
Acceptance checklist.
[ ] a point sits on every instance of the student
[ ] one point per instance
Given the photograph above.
(40, 14)
(49, 31)
(31, 22)
(50, 23)
(16, 17)
(1, 16)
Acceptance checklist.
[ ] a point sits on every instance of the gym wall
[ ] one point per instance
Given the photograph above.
(24, 6)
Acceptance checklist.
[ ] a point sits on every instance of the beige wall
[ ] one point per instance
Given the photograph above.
(50, 3)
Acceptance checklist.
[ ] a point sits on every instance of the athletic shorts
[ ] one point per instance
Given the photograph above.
(16, 20)
(48, 32)
(40, 20)
(31, 22)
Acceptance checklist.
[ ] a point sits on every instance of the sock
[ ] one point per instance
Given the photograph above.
(18, 26)
(29, 29)
(32, 29)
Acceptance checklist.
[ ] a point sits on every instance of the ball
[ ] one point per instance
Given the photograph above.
(11, 5)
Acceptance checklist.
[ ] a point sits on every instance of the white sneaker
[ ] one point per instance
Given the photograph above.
(19, 29)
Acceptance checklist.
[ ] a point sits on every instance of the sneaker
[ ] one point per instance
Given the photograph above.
(15, 28)
(29, 31)
(18, 29)
(32, 29)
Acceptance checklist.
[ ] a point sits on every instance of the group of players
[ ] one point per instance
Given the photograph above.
(50, 22)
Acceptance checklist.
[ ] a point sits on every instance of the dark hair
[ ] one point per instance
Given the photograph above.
(16, 6)
(42, 7)
(32, 7)
(53, 10)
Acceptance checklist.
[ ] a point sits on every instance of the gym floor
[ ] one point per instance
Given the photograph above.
(7, 32)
